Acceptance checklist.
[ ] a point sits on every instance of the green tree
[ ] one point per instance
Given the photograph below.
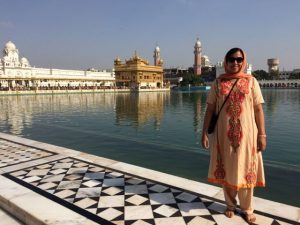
(274, 74)
(261, 75)
(192, 79)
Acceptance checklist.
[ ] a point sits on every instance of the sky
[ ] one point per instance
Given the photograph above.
(82, 34)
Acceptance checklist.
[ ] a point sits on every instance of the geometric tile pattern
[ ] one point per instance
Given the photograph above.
(111, 197)
(12, 153)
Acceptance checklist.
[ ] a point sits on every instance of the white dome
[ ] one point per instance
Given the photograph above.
(24, 61)
(198, 43)
(157, 49)
(10, 46)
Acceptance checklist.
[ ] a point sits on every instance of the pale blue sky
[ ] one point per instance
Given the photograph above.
(80, 34)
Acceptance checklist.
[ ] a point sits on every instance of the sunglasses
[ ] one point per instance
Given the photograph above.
(238, 59)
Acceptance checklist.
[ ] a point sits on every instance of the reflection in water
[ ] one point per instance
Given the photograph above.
(271, 101)
(191, 104)
(17, 112)
(275, 98)
(140, 108)
(199, 112)
(133, 110)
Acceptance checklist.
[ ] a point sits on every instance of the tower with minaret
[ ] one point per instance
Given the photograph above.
(156, 56)
(197, 61)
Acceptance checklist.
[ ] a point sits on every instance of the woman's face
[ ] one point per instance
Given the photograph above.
(235, 62)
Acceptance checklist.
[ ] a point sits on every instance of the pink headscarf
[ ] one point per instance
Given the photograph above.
(239, 74)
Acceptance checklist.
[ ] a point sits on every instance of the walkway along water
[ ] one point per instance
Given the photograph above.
(47, 184)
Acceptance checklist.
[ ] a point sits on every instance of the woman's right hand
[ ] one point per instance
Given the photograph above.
(208, 114)
(205, 141)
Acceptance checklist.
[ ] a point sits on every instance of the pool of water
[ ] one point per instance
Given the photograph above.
(160, 131)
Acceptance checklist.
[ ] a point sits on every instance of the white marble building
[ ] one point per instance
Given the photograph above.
(16, 73)
(205, 61)
(284, 75)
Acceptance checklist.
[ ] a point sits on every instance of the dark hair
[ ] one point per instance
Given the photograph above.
(232, 51)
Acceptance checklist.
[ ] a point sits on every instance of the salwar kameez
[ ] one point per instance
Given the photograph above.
(234, 160)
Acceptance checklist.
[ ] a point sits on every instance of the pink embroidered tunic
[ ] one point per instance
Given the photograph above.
(234, 160)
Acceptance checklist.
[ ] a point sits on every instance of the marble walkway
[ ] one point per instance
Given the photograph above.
(46, 184)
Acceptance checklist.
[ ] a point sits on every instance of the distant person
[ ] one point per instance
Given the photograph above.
(239, 136)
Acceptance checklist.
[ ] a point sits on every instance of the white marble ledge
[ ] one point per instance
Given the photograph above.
(40, 145)
(96, 159)
(55, 149)
(30, 163)
(277, 209)
(17, 139)
(59, 150)
(32, 208)
(7, 219)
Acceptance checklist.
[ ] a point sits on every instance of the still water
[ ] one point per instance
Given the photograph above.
(160, 131)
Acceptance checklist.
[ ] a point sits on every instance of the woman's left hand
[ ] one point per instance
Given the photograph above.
(261, 142)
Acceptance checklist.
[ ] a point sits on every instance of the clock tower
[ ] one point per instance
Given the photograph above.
(197, 59)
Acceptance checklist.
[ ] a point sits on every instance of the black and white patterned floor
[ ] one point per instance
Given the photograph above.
(13, 153)
(113, 197)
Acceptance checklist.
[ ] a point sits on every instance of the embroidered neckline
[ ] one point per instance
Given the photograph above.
(234, 109)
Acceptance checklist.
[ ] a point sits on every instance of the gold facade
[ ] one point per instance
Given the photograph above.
(137, 73)
(140, 109)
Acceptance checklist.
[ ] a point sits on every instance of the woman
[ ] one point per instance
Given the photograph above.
(239, 136)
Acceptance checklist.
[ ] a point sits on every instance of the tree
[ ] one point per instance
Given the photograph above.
(274, 74)
(261, 75)
(191, 79)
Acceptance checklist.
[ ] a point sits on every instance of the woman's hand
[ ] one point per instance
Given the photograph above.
(261, 142)
(260, 122)
(208, 114)
(205, 141)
